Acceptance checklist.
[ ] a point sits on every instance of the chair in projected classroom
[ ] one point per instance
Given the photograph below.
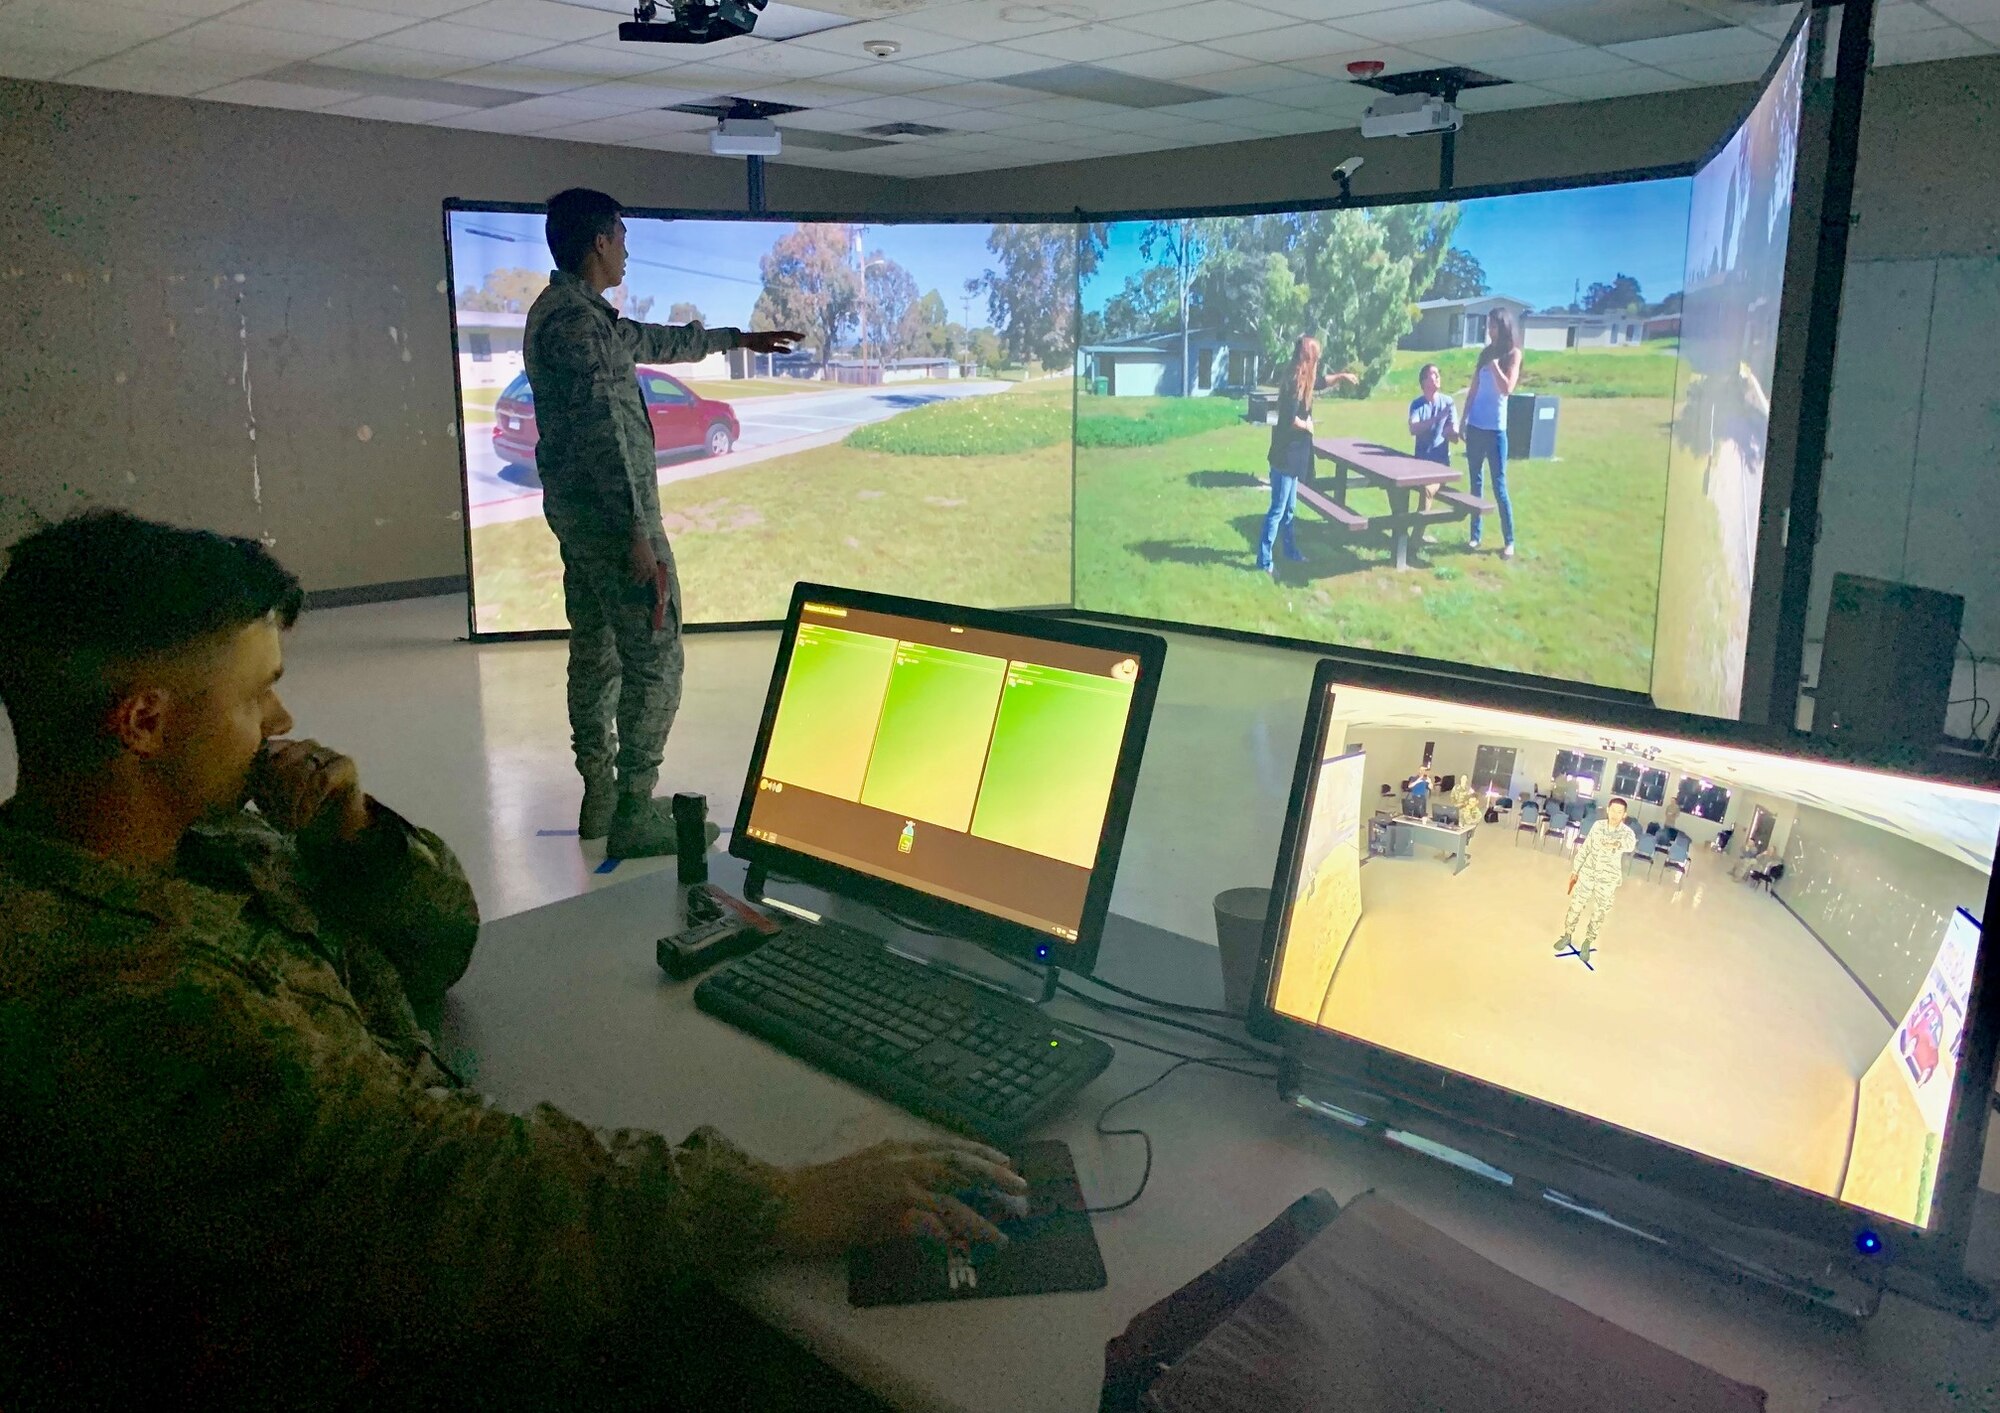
(1554, 823)
(1765, 877)
(1677, 858)
(1648, 847)
(1531, 821)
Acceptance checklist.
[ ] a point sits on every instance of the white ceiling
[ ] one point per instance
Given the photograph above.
(555, 68)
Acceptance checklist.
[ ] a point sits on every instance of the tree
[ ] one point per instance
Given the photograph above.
(1621, 296)
(508, 290)
(1148, 304)
(685, 313)
(809, 285)
(986, 347)
(1031, 295)
(889, 296)
(1461, 276)
(928, 330)
(1670, 305)
(632, 306)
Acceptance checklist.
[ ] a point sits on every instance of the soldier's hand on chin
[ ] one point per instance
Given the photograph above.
(301, 784)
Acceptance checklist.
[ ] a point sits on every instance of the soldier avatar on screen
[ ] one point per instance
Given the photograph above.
(1594, 876)
(600, 493)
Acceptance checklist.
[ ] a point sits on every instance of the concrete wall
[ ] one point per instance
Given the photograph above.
(155, 250)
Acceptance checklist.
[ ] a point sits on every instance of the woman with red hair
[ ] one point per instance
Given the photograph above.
(1291, 454)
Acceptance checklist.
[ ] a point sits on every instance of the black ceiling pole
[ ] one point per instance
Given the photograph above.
(754, 168)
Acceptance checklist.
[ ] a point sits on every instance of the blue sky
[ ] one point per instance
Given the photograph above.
(1534, 246)
(715, 263)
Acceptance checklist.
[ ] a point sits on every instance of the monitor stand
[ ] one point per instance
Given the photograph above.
(1632, 1209)
(756, 880)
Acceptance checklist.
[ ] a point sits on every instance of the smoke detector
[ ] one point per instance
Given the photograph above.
(882, 48)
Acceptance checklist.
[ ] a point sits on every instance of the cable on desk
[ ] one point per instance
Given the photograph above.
(1145, 1173)
(1228, 1064)
(1254, 1051)
(1156, 1001)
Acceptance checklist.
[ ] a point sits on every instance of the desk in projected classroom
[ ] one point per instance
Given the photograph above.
(1407, 835)
(566, 1004)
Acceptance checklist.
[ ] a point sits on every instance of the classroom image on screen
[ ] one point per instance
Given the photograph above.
(1186, 320)
(917, 441)
(1762, 960)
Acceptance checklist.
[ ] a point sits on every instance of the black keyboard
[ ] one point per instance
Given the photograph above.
(954, 1052)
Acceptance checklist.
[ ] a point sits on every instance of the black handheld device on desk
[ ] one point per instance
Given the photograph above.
(719, 927)
(969, 773)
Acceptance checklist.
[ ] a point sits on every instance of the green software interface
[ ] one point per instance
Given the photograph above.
(998, 748)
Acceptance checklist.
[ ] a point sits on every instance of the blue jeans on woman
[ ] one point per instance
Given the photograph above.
(1481, 447)
(1286, 469)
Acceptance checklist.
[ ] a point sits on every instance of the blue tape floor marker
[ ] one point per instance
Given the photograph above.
(555, 833)
(1572, 952)
(610, 864)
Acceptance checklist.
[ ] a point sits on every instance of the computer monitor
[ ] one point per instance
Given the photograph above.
(1447, 783)
(970, 769)
(1809, 1056)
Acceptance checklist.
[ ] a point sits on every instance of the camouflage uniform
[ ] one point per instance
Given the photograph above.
(1598, 869)
(600, 480)
(233, 1162)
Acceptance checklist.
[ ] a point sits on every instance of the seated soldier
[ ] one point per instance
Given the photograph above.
(235, 1171)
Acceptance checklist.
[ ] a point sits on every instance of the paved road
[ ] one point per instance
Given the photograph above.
(772, 426)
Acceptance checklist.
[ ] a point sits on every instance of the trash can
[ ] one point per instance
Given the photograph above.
(1531, 426)
(1239, 937)
(1101, 386)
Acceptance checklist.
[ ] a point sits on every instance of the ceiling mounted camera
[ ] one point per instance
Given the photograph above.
(691, 21)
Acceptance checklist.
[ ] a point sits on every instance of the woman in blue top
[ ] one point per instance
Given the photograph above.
(1494, 377)
(1291, 454)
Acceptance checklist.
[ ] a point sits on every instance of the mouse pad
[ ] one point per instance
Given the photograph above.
(1051, 1248)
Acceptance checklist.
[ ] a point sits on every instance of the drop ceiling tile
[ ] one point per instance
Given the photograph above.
(591, 59)
(1393, 60)
(778, 61)
(1326, 96)
(1743, 68)
(1206, 20)
(915, 43)
(1506, 97)
(1621, 84)
(1989, 33)
(414, 10)
(1283, 45)
(1086, 45)
(1057, 109)
(626, 127)
(188, 9)
(805, 93)
(1952, 43)
(265, 93)
(1725, 43)
(1488, 47)
(826, 120)
(1335, 11)
(1570, 63)
(25, 54)
(695, 143)
(540, 19)
(1250, 80)
(309, 17)
(1275, 121)
(1968, 12)
(632, 95)
(65, 23)
(984, 61)
(394, 61)
(528, 75)
(1408, 24)
(450, 37)
(1907, 19)
(397, 110)
(988, 21)
(900, 109)
(883, 79)
(985, 120)
(277, 46)
(1170, 65)
(178, 72)
(975, 95)
(1221, 110)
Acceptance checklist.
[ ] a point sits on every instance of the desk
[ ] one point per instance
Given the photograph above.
(566, 1004)
(1399, 473)
(1407, 833)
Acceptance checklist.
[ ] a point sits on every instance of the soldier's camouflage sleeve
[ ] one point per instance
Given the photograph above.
(289, 1161)
(406, 890)
(674, 343)
(613, 458)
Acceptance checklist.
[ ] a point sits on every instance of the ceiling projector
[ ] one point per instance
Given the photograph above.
(746, 137)
(1411, 115)
(693, 22)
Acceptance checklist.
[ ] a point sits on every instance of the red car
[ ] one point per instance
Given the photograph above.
(683, 420)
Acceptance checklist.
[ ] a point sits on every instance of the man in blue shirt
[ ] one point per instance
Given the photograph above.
(1433, 419)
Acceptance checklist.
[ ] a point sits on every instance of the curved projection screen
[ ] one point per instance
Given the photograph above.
(1171, 496)
(918, 442)
(1737, 235)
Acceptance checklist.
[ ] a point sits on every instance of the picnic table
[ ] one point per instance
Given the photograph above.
(1403, 476)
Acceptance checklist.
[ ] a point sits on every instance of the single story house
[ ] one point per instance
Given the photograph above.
(1457, 323)
(891, 370)
(1559, 330)
(489, 348)
(1150, 365)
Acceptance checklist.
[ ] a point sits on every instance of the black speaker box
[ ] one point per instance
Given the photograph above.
(1885, 671)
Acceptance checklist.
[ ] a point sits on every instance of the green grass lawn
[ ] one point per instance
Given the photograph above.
(1171, 531)
(984, 530)
(478, 403)
(1641, 370)
(723, 389)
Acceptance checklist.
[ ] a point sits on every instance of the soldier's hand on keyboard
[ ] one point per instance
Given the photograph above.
(891, 1190)
(296, 783)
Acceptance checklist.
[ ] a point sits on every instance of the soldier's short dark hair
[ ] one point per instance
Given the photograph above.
(577, 217)
(85, 601)
(1618, 800)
